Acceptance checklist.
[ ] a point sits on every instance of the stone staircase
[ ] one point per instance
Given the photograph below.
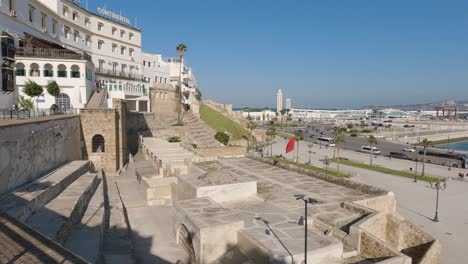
(98, 100)
(77, 209)
(198, 132)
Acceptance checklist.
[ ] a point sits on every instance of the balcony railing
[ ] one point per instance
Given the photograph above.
(52, 53)
(120, 75)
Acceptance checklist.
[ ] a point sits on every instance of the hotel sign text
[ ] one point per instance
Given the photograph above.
(113, 16)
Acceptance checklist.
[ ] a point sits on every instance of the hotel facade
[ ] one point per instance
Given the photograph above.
(83, 51)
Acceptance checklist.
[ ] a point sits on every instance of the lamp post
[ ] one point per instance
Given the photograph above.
(326, 163)
(437, 186)
(306, 200)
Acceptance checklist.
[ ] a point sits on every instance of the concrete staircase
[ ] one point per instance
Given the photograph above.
(198, 133)
(98, 100)
(78, 209)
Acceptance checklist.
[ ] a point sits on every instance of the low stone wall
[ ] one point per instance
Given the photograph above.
(221, 152)
(28, 150)
(384, 204)
(339, 181)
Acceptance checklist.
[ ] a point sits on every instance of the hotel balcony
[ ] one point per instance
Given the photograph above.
(120, 75)
(52, 53)
(126, 90)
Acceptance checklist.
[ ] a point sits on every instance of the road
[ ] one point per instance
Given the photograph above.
(415, 201)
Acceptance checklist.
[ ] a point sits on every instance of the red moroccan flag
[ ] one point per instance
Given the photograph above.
(290, 145)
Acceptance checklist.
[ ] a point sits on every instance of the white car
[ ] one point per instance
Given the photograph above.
(409, 149)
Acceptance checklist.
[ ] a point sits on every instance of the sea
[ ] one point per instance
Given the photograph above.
(460, 145)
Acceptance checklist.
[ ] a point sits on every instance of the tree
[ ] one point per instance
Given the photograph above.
(337, 131)
(198, 95)
(276, 117)
(53, 88)
(25, 103)
(298, 137)
(271, 133)
(288, 118)
(181, 49)
(251, 126)
(426, 144)
(372, 141)
(33, 89)
(339, 140)
(282, 112)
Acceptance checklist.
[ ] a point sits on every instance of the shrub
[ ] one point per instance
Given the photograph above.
(32, 89)
(25, 103)
(353, 135)
(174, 139)
(222, 137)
(194, 146)
(366, 131)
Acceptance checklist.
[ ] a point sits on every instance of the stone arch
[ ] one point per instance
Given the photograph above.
(98, 144)
(48, 70)
(34, 70)
(185, 239)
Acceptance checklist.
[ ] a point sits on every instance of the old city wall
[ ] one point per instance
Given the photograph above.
(30, 149)
(164, 104)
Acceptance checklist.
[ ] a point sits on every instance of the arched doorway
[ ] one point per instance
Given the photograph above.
(185, 239)
(63, 101)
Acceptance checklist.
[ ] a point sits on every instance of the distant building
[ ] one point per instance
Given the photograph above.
(279, 101)
(288, 103)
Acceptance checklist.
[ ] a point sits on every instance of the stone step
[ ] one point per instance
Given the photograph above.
(25, 200)
(87, 237)
(56, 219)
(117, 245)
(349, 252)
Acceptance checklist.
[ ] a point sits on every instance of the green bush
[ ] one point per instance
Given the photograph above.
(194, 146)
(366, 131)
(53, 88)
(174, 139)
(353, 135)
(222, 137)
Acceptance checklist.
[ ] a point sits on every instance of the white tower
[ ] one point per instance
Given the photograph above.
(279, 101)
(288, 103)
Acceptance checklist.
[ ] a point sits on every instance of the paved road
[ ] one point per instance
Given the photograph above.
(415, 201)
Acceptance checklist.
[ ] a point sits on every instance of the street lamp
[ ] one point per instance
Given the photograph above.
(326, 162)
(303, 220)
(437, 187)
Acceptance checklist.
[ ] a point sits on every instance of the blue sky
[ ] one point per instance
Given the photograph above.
(327, 53)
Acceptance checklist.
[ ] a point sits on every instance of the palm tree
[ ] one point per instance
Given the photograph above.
(251, 126)
(288, 118)
(337, 131)
(339, 140)
(425, 143)
(271, 133)
(181, 49)
(282, 116)
(298, 137)
(372, 141)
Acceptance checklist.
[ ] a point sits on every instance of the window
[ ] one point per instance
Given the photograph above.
(87, 22)
(130, 52)
(114, 47)
(123, 67)
(43, 21)
(100, 44)
(75, 71)
(149, 64)
(122, 50)
(113, 31)
(88, 41)
(97, 143)
(76, 35)
(54, 26)
(100, 26)
(160, 79)
(62, 71)
(114, 67)
(101, 64)
(144, 63)
(75, 16)
(165, 79)
(20, 71)
(122, 33)
(34, 70)
(31, 13)
(48, 71)
(65, 10)
(66, 30)
(149, 80)
(130, 36)
(63, 101)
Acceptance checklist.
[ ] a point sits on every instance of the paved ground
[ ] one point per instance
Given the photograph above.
(415, 201)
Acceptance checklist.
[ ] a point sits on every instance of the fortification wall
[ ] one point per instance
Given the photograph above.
(30, 149)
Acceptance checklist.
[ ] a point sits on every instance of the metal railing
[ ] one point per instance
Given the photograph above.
(52, 53)
(32, 113)
(120, 75)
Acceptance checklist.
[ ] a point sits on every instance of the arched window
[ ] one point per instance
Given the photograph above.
(20, 71)
(34, 70)
(63, 101)
(97, 144)
(62, 71)
(75, 71)
(48, 72)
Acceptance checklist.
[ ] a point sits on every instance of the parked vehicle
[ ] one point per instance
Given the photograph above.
(409, 149)
(398, 155)
(326, 141)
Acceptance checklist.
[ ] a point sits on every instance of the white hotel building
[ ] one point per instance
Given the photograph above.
(80, 50)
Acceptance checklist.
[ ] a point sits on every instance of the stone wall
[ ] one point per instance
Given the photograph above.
(164, 104)
(221, 152)
(30, 149)
(111, 124)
